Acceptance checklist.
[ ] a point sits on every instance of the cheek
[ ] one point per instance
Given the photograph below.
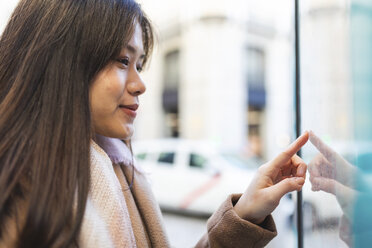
(107, 90)
(106, 94)
(114, 86)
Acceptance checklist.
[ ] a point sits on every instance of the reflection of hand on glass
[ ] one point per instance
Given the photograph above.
(273, 180)
(331, 173)
(333, 164)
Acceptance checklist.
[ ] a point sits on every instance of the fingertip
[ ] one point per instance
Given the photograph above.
(303, 138)
(307, 134)
(311, 133)
(314, 189)
(301, 170)
(300, 180)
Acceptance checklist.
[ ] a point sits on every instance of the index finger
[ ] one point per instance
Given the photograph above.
(291, 150)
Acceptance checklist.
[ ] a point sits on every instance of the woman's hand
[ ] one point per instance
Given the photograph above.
(273, 180)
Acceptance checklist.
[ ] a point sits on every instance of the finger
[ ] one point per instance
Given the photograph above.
(286, 168)
(320, 166)
(344, 195)
(322, 147)
(299, 166)
(286, 185)
(313, 170)
(293, 148)
(324, 184)
(301, 171)
(315, 164)
(290, 168)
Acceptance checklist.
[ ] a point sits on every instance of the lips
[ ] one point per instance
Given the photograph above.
(130, 110)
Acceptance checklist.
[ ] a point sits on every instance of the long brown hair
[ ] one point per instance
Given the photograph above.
(50, 51)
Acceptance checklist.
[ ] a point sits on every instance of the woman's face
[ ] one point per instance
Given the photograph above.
(115, 90)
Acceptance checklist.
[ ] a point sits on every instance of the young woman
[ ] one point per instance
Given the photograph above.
(69, 87)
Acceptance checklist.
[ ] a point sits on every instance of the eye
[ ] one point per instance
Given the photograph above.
(139, 68)
(124, 61)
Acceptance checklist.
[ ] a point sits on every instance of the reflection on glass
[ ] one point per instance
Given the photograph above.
(339, 109)
(327, 108)
(361, 40)
(331, 173)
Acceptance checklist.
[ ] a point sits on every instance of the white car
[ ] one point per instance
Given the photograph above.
(192, 176)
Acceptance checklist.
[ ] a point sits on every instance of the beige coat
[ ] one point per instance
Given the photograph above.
(117, 216)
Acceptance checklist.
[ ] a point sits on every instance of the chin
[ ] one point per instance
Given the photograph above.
(126, 134)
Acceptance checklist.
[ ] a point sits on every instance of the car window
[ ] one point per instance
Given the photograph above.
(141, 156)
(197, 161)
(166, 158)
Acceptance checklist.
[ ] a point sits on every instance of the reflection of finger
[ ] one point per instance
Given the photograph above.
(325, 184)
(344, 195)
(283, 158)
(319, 166)
(286, 185)
(322, 147)
(313, 168)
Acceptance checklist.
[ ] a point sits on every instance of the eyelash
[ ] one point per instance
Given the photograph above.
(125, 61)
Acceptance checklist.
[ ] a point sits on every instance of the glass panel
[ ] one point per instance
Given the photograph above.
(327, 110)
(337, 106)
(359, 218)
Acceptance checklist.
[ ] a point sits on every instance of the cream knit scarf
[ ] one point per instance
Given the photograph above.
(115, 216)
(106, 221)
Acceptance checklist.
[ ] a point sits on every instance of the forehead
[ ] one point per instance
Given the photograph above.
(136, 40)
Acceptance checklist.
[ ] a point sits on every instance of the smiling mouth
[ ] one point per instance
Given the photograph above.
(129, 110)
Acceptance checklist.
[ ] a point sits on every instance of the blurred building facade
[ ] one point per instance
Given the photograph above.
(225, 73)
(221, 72)
(327, 85)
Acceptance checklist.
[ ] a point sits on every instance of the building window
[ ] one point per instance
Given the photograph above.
(256, 100)
(256, 77)
(170, 93)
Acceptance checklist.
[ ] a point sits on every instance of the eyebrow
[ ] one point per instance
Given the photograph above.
(133, 50)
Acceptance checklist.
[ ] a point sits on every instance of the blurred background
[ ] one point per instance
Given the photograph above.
(220, 102)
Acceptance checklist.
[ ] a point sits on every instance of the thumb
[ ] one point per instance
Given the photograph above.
(286, 185)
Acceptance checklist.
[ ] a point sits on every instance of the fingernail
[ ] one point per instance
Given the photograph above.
(301, 170)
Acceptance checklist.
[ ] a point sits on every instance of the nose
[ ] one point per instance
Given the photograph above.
(135, 84)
